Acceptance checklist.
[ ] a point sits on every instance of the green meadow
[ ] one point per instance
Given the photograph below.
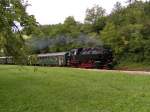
(50, 89)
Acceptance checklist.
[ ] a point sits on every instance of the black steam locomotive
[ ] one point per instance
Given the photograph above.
(98, 57)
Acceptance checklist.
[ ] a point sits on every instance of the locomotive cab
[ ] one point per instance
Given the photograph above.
(76, 51)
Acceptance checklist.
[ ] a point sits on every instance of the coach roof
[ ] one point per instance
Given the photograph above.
(52, 54)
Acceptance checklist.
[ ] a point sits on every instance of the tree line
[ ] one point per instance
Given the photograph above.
(126, 30)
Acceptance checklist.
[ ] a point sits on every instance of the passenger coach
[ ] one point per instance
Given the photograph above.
(52, 59)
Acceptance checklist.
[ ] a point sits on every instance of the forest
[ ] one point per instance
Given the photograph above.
(126, 30)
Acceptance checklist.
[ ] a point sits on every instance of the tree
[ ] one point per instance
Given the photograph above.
(95, 19)
(14, 18)
(93, 14)
(117, 7)
(70, 21)
(110, 36)
(71, 27)
(131, 1)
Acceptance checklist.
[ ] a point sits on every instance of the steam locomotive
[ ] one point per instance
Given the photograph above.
(98, 57)
(91, 58)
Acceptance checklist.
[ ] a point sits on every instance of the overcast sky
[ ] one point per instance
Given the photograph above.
(55, 11)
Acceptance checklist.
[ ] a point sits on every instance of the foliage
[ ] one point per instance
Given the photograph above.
(93, 14)
(14, 18)
(94, 19)
(126, 30)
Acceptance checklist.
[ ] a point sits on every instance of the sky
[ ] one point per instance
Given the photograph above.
(55, 11)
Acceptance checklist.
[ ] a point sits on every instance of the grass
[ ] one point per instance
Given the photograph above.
(126, 65)
(71, 90)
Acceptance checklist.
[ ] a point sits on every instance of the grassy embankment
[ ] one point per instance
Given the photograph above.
(126, 65)
(71, 90)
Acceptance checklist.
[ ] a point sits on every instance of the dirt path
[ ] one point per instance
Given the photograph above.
(121, 71)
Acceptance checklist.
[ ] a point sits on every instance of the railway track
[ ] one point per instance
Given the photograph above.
(121, 71)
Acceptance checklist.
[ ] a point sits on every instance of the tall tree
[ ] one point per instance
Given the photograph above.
(71, 27)
(93, 14)
(13, 19)
(95, 19)
(117, 7)
(131, 1)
